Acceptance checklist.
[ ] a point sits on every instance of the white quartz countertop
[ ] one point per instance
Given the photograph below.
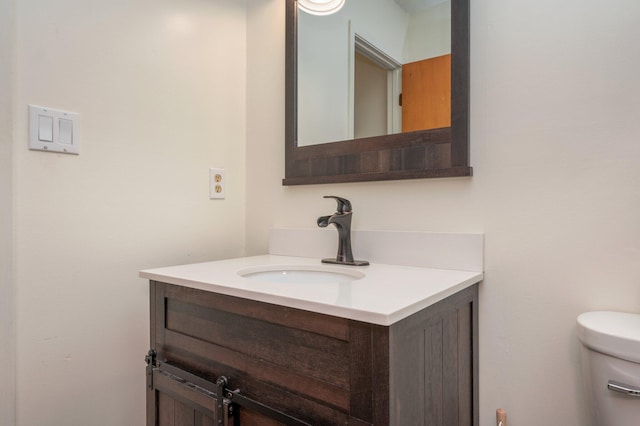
(385, 295)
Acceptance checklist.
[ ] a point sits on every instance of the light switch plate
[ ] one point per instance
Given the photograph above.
(53, 130)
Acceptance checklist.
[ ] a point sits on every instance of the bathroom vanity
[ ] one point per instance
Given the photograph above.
(378, 345)
(282, 339)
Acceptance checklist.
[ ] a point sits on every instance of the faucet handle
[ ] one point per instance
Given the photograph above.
(344, 205)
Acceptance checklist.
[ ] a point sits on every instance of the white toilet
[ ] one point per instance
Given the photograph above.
(611, 366)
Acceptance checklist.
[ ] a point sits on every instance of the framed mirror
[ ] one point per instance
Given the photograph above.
(324, 140)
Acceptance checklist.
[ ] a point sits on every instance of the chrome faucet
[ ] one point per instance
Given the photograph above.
(342, 220)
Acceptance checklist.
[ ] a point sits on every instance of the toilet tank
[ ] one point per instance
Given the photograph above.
(611, 366)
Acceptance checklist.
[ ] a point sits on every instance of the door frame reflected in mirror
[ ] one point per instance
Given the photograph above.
(431, 153)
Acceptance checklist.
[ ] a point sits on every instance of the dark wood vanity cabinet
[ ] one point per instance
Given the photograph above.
(316, 368)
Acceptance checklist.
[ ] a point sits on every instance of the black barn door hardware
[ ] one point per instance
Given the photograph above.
(224, 401)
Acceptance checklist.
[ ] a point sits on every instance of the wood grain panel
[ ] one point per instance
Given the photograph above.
(312, 384)
(432, 364)
(178, 405)
(465, 364)
(166, 410)
(451, 358)
(304, 320)
(312, 355)
(433, 393)
(248, 417)
(426, 94)
(360, 379)
(420, 371)
(214, 361)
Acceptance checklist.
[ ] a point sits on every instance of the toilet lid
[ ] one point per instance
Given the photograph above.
(612, 333)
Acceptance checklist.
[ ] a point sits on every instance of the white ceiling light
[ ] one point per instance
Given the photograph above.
(321, 7)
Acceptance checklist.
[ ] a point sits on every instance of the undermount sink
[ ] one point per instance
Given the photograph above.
(301, 274)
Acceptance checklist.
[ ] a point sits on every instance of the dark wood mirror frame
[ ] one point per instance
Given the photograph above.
(432, 153)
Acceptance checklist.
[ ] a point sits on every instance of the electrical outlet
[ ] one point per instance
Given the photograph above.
(217, 184)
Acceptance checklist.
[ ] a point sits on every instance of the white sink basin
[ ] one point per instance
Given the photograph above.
(301, 274)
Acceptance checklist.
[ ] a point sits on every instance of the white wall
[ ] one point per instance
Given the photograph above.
(160, 89)
(429, 33)
(7, 299)
(555, 119)
(325, 53)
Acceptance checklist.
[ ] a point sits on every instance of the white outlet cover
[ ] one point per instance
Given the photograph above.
(217, 183)
(53, 130)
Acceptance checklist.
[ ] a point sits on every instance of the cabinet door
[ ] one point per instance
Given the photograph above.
(172, 403)
(176, 397)
(294, 362)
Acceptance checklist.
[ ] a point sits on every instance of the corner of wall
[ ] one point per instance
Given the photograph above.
(7, 291)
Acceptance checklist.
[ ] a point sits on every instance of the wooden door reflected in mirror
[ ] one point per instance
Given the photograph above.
(426, 94)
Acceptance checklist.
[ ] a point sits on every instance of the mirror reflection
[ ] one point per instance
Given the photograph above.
(376, 67)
